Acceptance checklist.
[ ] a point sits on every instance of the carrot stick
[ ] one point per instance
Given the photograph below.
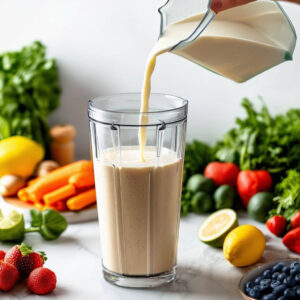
(32, 181)
(82, 179)
(53, 180)
(39, 205)
(59, 194)
(82, 200)
(60, 206)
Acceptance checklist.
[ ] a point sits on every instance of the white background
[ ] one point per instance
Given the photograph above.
(101, 48)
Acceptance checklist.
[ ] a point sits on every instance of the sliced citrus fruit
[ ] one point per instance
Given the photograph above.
(214, 229)
(11, 226)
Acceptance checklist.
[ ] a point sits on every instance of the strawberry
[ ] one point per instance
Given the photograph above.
(8, 276)
(13, 255)
(24, 259)
(2, 255)
(276, 225)
(41, 281)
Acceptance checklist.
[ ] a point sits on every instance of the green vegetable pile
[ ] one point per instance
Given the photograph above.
(259, 141)
(29, 92)
(287, 194)
(197, 156)
(263, 142)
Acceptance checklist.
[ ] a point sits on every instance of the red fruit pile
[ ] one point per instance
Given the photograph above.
(21, 262)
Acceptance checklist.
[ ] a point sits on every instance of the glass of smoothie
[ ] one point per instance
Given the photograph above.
(138, 194)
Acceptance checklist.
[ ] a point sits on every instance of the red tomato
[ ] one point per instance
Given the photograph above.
(295, 221)
(222, 173)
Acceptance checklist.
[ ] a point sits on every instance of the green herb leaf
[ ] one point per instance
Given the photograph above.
(36, 218)
(53, 224)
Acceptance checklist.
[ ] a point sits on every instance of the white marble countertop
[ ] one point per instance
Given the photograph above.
(202, 273)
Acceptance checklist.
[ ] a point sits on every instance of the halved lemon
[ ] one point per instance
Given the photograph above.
(215, 228)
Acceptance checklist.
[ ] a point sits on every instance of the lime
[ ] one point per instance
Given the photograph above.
(11, 226)
(215, 228)
(199, 182)
(224, 197)
(259, 206)
(201, 202)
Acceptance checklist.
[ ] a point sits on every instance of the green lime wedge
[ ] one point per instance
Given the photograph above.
(216, 226)
(11, 226)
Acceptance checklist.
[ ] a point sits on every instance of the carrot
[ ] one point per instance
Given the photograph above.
(59, 194)
(61, 206)
(82, 200)
(39, 205)
(53, 180)
(82, 179)
(32, 181)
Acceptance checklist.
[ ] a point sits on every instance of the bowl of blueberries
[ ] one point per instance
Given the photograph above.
(279, 280)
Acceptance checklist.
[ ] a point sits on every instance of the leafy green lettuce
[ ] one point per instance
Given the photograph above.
(287, 193)
(29, 92)
(261, 141)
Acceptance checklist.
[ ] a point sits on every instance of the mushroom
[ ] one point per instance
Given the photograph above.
(46, 167)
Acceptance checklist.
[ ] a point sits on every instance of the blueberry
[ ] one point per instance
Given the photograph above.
(295, 270)
(257, 280)
(265, 281)
(286, 270)
(275, 275)
(289, 293)
(275, 283)
(278, 267)
(278, 290)
(297, 278)
(298, 292)
(255, 292)
(250, 284)
(282, 298)
(267, 274)
(289, 281)
(269, 297)
(295, 263)
(281, 277)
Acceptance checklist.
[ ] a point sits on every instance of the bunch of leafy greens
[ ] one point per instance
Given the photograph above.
(29, 92)
(261, 141)
(287, 193)
(197, 156)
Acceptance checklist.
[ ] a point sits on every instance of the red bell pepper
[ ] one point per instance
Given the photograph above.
(276, 225)
(292, 240)
(222, 173)
(295, 221)
(252, 182)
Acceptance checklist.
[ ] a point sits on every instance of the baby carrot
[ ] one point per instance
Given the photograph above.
(59, 194)
(53, 180)
(39, 205)
(82, 179)
(82, 200)
(32, 181)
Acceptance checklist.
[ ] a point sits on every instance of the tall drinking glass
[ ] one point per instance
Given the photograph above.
(138, 202)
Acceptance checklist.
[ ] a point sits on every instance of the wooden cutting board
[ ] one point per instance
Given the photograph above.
(85, 215)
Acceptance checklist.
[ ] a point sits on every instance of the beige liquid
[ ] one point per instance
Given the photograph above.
(139, 210)
(238, 44)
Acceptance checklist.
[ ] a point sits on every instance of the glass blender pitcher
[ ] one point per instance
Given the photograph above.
(261, 26)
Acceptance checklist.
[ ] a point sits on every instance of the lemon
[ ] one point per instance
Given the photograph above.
(244, 245)
(11, 226)
(19, 156)
(216, 227)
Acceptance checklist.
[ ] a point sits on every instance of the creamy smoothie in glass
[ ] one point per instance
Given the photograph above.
(138, 201)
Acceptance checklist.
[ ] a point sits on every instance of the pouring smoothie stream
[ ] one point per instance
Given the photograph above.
(238, 43)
